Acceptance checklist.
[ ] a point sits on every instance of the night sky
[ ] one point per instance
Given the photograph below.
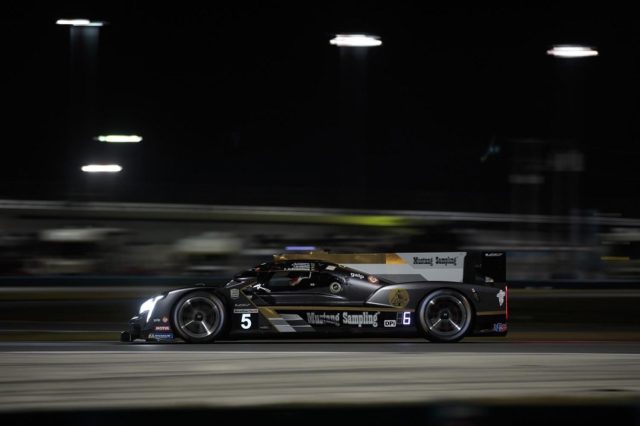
(247, 103)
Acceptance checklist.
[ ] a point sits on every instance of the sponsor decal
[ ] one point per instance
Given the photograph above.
(234, 293)
(299, 267)
(431, 261)
(389, 323)
(245, 311)
(330, 268)
(501, 294)
(323, 319)
(346, 318)
(355, 275)
(365, 318)
(500, 327)
(493, 254)
(162, 328)
(372, 279)
(241, 305)
(156, 320)
(423, 261)
(436, 266)
(165, 320)
(447, 261)
(335, 287)
(161, 336)
(399, 297)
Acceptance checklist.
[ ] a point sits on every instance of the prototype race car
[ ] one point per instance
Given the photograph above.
(441, 296)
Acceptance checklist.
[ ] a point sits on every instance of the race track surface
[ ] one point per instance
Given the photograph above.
(98, 375)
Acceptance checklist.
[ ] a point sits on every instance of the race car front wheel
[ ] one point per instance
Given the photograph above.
(445, 316)
(199, 317)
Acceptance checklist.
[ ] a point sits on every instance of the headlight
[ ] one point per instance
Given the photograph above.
(148, 306)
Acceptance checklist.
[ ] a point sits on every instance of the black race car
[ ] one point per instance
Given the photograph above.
(310, 296)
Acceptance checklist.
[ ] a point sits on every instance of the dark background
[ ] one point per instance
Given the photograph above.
(248, 103)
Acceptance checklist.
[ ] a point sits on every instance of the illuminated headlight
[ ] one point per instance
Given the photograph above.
(148, 306)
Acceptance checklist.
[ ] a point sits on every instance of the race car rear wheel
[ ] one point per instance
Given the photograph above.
(199, 317)
(445, 316)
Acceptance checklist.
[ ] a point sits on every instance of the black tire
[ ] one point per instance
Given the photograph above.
(445, 316)
(199, 317)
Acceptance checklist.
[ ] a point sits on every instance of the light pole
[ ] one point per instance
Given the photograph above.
(573, 62)
(84, 36)
(353, 51)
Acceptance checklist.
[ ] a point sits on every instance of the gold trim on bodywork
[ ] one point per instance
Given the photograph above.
(394, 259)
(398, 297)
(342, 258)
(268, 312)
(487, 313)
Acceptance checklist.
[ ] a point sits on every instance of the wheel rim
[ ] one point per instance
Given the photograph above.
(445, 316)
(198, 317)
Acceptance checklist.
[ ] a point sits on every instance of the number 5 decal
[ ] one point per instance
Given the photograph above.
(246, 317)
(245, 321)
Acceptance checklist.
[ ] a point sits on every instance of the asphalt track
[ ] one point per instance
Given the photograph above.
(113, 375)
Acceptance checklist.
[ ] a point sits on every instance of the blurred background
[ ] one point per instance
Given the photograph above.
(50, 238)
(253, 132)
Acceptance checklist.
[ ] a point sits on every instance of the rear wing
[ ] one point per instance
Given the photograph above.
(470, 267)
(486, 267)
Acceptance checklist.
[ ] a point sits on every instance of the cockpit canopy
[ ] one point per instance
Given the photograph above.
(294, 269)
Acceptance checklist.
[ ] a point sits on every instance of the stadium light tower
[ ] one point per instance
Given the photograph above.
(84, 36)
(101, 168)
(572, 51)
(119, 138)
(80, 22)
(571, 126)
(355, 40)
(354, 50)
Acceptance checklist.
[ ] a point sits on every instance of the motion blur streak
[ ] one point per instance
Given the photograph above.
(152, 238)
(148, 378)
